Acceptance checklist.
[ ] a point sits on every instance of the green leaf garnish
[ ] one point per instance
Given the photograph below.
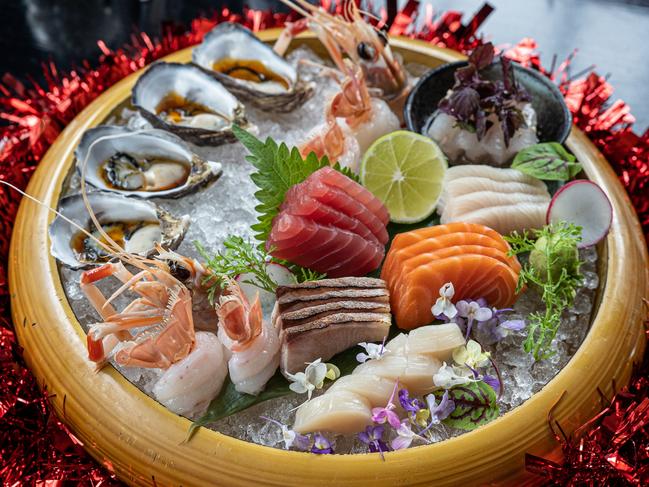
(240, 256)
(553, 271)
(475, 405)
(549, 161)
(278, 169)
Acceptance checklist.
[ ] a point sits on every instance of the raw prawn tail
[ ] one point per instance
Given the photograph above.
(349, 34)
(241, 321)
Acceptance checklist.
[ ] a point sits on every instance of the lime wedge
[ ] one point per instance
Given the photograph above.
(405, 171)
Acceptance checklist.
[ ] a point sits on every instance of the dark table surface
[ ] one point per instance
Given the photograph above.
(609, 34)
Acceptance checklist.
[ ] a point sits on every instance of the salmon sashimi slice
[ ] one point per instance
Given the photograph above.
(334, 178)
(472, 275)
(423, 259)
(322, 247)
(406, 239)
(308, 207)
(396, 259)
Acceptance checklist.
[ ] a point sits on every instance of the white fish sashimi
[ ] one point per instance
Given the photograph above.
(459, 186)
(376, 390)
(188, 386)
(507, 219)
(415, 372)
(505, 200)
(493, 173)
(457, 208)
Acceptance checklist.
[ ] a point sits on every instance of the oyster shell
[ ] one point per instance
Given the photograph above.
(250, 68)
(185, 100)
(146, 164)
(135, 224)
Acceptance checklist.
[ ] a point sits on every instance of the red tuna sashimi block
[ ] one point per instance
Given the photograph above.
(331, 224)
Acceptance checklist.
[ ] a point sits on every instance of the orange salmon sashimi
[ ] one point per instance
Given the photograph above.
(399, 257)
(471, 256)
(423, 259)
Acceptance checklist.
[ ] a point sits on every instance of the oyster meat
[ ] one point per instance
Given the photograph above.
(187, 101)
(144, 163)
(135, 225)
(251, 69)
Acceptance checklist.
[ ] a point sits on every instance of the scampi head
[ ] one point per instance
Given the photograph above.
(349, 34)
(241, 321)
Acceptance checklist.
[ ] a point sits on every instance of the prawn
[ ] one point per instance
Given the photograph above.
(253, 343)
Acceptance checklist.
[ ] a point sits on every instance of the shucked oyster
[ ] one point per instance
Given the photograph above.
(250, 69)
(135, 225)
(150, 163)
(189, 102)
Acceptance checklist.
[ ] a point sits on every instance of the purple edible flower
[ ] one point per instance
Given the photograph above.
(412, 405)
(439, 412)
(473, 311)
(405, 436)
(492, 381)
(498, 327)
(387, 414)
(321, 445)
(372, 437)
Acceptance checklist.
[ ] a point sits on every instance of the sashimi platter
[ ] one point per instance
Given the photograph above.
(325, 256)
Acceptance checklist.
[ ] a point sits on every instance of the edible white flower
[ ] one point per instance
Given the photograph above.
(471, 355)
(447, 377)
(443, 305)
(374, 352)
(313, 377)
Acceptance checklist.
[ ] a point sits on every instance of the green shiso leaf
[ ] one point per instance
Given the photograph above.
(549, 161)
(475, 405)
(229, 401)
(278, 168)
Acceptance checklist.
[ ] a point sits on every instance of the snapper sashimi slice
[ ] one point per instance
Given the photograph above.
(331, 224)
(503, 199)
(471, 256)
(412, 359)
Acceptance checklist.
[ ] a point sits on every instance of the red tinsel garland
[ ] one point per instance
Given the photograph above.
(37, 449)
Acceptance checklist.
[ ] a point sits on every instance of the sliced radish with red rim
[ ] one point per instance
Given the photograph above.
(585, 204)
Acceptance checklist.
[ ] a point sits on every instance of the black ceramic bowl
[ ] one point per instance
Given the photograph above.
(553, 117)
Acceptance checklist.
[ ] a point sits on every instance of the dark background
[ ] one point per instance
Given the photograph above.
(611, 34)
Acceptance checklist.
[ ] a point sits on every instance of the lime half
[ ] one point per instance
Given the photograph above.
(405, 171)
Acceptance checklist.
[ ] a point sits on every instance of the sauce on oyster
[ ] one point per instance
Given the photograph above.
(133, 236)
(249, 70)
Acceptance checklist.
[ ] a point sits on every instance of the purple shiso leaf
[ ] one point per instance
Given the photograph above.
(482, 56)
(465, 101)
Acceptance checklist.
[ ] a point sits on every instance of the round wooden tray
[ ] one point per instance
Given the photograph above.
(142, 442)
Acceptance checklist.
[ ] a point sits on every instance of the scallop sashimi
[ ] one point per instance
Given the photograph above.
(409, 360)
(503, 199)
(331, 224)
(473, 257)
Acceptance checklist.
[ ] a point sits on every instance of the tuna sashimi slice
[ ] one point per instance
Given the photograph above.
(341, 201)
(308, 244)
(302, 204)
(334, 178)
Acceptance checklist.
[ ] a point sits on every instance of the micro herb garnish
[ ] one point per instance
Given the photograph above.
(278, 169)
(474, 99)
(549, 161)
(240, 256)
(553, 270)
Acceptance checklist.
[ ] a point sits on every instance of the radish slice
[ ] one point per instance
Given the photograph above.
(278, 273)
(585, 204)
